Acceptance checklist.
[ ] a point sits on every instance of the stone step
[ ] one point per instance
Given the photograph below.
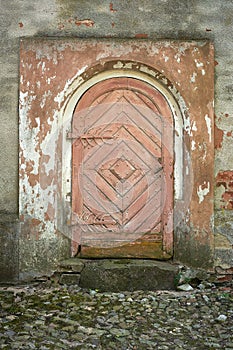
(116, 275)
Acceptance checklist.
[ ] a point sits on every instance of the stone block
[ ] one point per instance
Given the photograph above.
(9, 250)
(40, 256)
(125, 274)
(75, 265)
(70, 278)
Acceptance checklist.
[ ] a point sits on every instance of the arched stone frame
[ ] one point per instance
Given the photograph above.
(79, 86)
(62, 66)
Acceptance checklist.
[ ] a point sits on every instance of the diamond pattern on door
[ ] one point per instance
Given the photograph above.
(122, 169)
(120, 181)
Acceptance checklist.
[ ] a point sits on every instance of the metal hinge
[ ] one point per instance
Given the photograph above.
(89, 139)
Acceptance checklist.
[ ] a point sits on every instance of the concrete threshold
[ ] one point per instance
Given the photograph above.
(116, 275)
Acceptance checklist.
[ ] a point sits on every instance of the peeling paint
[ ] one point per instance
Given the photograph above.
(86, 22)
(22, 98)
(123, 65)
(203, 148)
(224, 183)
(198, 63)
(64, 68)
(118, 65)
(218, 137)
(209, 128)
(203, 190)
(61, 95)
(194, 126)
(48, 80)
(111, 7)
(44, 97)
(187, 126)
(166, 58)
(193, 145)
(190, 127)
(147, 70)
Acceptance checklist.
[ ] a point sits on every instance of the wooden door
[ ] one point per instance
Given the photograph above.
(122, 171)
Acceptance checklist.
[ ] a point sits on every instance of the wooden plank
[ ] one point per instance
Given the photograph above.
(150, 250)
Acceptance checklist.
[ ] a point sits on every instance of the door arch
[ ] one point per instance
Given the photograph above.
(122, 170)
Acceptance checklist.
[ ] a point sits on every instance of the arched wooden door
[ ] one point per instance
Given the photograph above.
(122, 171)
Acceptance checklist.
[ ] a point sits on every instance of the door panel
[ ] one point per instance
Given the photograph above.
(122, 171)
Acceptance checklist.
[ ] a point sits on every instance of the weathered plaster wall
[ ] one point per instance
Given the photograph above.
(46, 113)
(151, 19)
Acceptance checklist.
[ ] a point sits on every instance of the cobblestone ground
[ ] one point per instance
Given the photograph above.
(42, 317)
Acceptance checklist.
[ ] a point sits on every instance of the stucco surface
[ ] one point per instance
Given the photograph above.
(151, 19)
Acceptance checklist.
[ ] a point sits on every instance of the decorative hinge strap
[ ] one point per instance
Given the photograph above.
(71, 135)
(89, 139)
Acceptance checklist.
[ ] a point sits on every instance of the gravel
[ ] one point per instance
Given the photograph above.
(67, 317)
